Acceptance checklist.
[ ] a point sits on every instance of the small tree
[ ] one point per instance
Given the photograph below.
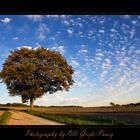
(30, 73)
(112, 104)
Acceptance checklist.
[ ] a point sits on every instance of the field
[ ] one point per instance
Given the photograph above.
(126, 115)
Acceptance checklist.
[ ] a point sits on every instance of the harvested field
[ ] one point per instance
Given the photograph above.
(128, 115)
(129, 118)
(77, 110)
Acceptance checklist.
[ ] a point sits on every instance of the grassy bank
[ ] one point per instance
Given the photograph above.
(5, 117)
(76, 120)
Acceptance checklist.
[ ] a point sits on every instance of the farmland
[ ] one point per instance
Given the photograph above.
(126, 115)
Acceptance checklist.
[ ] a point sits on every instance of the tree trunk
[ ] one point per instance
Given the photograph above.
(31, 103)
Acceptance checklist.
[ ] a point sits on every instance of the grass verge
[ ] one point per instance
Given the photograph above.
(5, 117)
(76, 120)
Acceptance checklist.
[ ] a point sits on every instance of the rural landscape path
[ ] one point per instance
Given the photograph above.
(21, 118)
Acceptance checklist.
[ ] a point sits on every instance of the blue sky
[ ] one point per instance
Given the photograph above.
(104, 51)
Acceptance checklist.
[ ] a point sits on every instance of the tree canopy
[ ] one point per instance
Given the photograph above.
(32, 72)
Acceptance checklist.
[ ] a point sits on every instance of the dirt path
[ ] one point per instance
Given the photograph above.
(1, 112)
(21, 118)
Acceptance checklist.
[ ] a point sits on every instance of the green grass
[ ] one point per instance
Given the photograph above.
(5, 117)
(76, 120)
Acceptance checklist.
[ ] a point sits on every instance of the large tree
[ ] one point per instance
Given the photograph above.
(32, 72)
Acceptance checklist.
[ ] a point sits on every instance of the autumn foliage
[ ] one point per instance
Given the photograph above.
(30, 73)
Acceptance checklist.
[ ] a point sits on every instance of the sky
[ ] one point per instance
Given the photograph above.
(104, 51)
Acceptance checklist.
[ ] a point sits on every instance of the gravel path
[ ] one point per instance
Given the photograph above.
(21, 118)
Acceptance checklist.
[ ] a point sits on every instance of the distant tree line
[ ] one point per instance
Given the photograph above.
(132, 104)
(67, 106)
(125, 105)
(18, 105)
(14, 105)
(25, 105)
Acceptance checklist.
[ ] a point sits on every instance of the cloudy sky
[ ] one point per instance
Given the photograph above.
(104, 51)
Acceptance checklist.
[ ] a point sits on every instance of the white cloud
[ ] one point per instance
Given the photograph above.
(70, 31)
(98, 58)
(52, 16)
(126, 16)
(35, 17)
(70, 101)
(121, 80)
(122, 64)
(103, 74)
(74, 62)
(60, 48)
(58, 16)
(84, 46)
(38, 45)
(64, 16)
(108, 60)
(83, 51)
(80, 34)
(134, 85)
(113, 30)
(63, 100)
(41, 36)
(15, 38)
(134, 22)
(100, 54)
(42, 29)
(28, 47)
(137, 51)
(42, 101)
(132, 32)
(6, 20)
(125, 28)
(80, 25)
(101, 31)
(106, 66)
(66, 22)
(78, 84)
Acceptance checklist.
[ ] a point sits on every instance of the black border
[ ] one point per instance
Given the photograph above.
(117, 132)
(69, 7)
